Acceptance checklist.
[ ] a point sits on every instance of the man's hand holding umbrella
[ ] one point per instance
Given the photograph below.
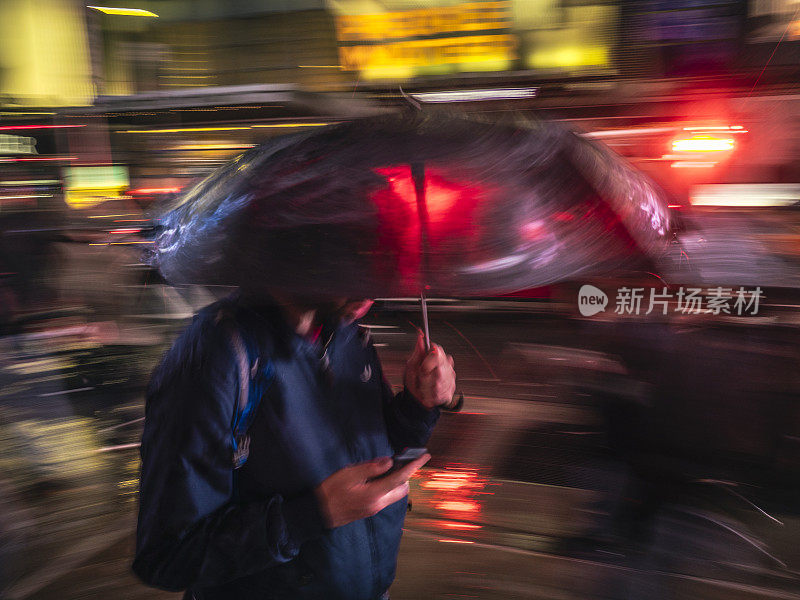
(430, 376)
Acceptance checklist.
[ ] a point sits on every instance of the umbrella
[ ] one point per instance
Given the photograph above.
(414, 203)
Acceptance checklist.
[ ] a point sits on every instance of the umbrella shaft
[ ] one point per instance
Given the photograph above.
(424, 304)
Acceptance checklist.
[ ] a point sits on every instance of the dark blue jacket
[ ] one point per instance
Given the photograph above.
(257, 532)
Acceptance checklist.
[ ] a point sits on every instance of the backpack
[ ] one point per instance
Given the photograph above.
(254, 380)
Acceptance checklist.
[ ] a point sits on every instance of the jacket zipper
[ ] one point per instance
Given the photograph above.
(373, 551)
(326, 362)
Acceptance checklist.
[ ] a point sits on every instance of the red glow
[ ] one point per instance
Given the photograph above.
(168, 190)
(444, 485)
(440, 196)
(400, 180)
(455, 490)
(400, 230)
(673, 206)
(452, 480)
(459, 506)
(534, 231)
(125, 231)
(14, 127)
(450, 211)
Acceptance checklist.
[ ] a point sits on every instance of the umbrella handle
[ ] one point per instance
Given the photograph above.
(458, 398)
(424, 305)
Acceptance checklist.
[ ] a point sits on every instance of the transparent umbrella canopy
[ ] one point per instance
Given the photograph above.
(413, 204)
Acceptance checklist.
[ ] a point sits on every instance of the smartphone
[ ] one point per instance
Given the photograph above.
(401, 459)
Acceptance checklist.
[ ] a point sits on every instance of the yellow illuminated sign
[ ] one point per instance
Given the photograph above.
(85, 187)
(44, 54)
(473, 36)
(398, 25)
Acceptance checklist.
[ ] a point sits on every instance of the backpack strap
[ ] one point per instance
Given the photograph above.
(254, 380)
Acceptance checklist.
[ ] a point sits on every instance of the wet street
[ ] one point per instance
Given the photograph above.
(496, 538)
(536, 489)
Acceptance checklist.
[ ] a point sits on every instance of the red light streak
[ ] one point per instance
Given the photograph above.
(15, 127)
(169, 190)
(731, 128)
(120, 243)
(124, 231)
(452, 541)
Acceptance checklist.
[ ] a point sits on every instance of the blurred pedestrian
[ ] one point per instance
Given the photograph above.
(300, 504)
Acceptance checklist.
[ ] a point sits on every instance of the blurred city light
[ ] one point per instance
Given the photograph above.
(703, 143)
(16, 127)
(186, 130)
(746, 195)
(638, 131)
(457, 525)
(400, 44)
(731, 128)
(168, 190)
(31, 182)
(87, 186)
(290, 125)
(459, 506)
(476, 95)
(124, 12)
(222, 146)
(693, 164)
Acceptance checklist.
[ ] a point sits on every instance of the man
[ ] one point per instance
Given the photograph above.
(309, 514)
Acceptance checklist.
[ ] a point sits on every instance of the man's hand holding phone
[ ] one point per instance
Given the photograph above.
(364, 489)
(401, 459)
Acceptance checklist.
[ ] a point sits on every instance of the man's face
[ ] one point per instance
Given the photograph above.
(345, 310)
(355, 309)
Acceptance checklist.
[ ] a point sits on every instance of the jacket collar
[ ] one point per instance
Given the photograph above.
(269, 315)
